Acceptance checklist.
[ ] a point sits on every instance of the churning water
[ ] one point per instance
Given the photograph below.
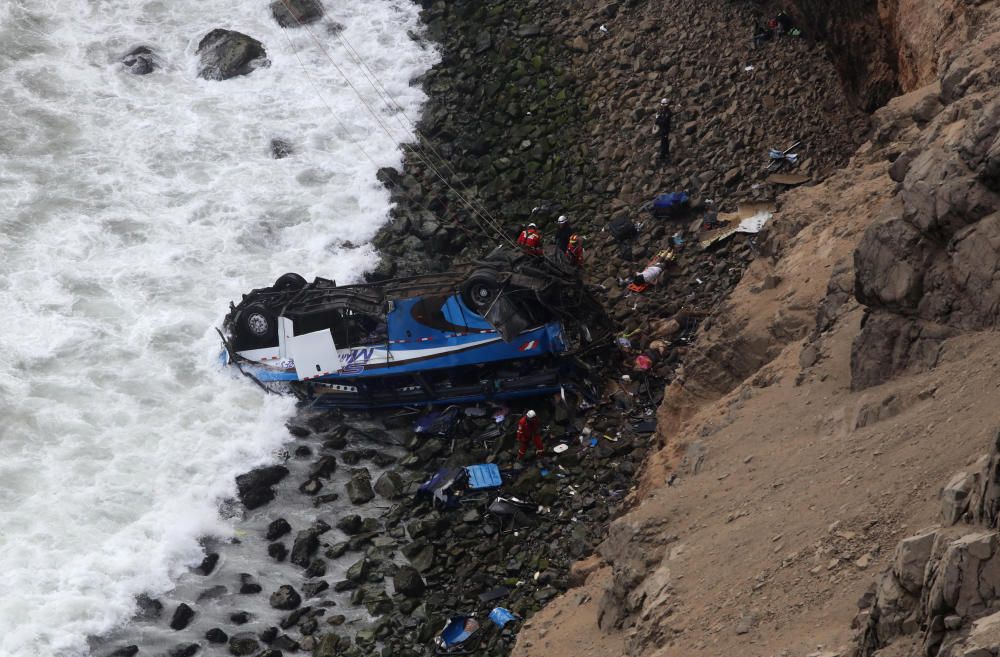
(133, 209)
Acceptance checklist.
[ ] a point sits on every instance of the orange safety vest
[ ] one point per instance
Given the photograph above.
(531, 241)
(575, 255)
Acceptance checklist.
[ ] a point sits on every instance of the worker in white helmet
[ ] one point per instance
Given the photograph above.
(529, 430)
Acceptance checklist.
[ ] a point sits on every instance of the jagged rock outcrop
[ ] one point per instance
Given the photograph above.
(226, 54)
(928, 269)
(944, 579)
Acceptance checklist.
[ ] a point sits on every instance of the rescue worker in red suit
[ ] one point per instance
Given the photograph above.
(528, 430)
(574, 252)
(531, 240)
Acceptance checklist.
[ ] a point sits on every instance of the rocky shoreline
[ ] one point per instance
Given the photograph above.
(533, 105)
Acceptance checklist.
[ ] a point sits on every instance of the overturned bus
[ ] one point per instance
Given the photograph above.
(511, 326)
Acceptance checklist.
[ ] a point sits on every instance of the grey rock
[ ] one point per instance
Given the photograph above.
(408, 581)
(226, 54)
(293, 13)
(285, 598)
(243, 644)
(955, 498)
(359, 488)
(390, 485)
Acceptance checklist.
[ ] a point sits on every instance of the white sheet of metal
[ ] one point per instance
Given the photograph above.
(286, 330)
(314, 354)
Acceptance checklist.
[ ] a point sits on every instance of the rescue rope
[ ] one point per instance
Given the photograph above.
(482, 217)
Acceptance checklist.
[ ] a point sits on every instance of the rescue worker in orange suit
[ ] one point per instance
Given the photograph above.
(574, 252)
(529, 430)
(531, 240)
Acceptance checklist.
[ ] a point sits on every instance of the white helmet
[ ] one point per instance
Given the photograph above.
(532, 226)
(562, 219)
(663, 101)
(530, 414)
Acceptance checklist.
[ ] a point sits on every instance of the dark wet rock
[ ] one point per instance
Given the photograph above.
(184, 650)
(350, 524)
(297, 430)
(293, 13)
(270, 652)
(255, 486)
(216, 635)
(285, 598)
(359, 488)
(285, 642)
(182, 616)
(147, 608)
(312, 589)
(324, 467)
(207, 564)
(248, 586)
(269, 635)
(226, 54)
(243, 644)
(277, 551)
(140, 60)
(328, 646)
(280, 149)
(320, 500)
(408, 582)
(311, 486)
(420, 554)
(336, 550)
(390, 485)
(213, 592)
(344, 585)
(124, 651)
(240, 617)
(358, 571)
(305, 546)
(317, 568)
(277, 529)
(303, 451)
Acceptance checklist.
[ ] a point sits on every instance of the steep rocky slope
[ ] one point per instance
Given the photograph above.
(848, 376)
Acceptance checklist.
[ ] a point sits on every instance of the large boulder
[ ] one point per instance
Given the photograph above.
(293, 13)
(226, 54)
(255, 486)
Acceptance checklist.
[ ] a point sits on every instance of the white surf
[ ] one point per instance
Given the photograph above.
(134, 209)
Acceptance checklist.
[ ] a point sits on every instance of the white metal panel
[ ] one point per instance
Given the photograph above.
(286, 330)
(314, 354)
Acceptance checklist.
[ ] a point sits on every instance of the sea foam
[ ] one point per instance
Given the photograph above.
(135, 209)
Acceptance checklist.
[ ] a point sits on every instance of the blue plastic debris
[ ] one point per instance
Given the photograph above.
(501, 616)
(486, 475)
(458, 631)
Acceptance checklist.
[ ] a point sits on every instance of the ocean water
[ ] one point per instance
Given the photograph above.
(133, 209)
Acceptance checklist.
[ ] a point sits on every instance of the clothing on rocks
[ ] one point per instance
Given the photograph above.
(649, 275)
(531, 241)
(529, 430)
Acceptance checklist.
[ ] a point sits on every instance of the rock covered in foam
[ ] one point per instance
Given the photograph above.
(140, 60)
